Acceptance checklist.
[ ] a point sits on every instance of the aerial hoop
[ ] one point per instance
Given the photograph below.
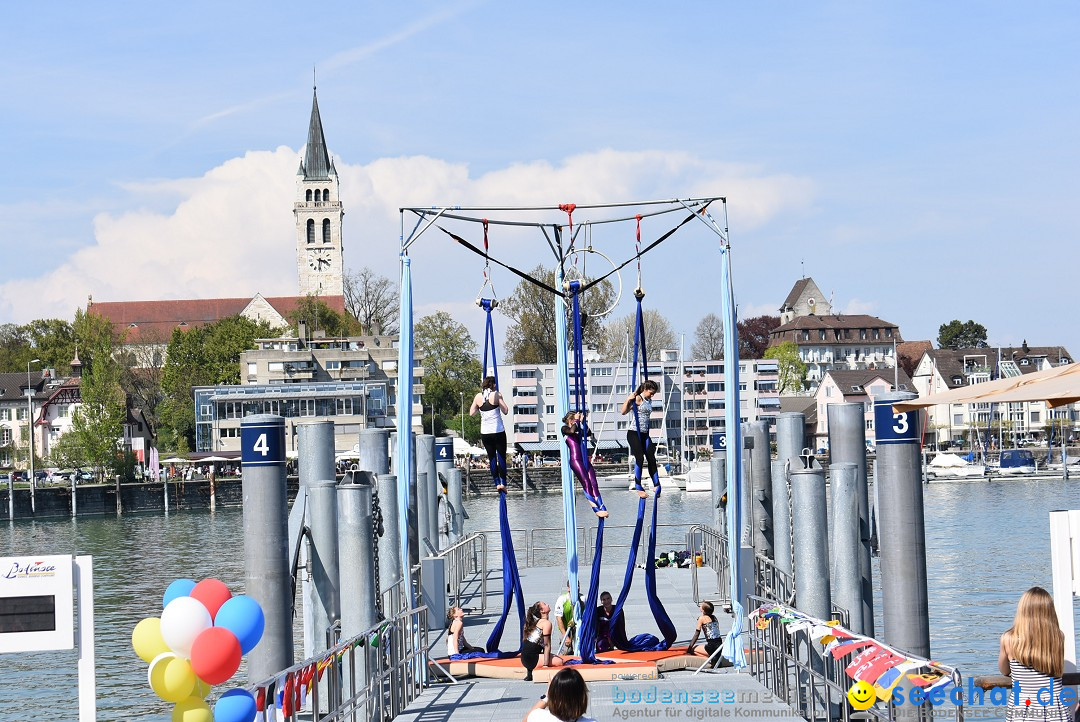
(570, 273)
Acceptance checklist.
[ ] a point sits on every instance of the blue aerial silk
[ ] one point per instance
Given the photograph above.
(511, 577)
(404, 457)
(641, 642)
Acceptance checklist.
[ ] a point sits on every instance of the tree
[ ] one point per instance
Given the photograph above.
(204, 356)
(531, 310)
(320, 317)
(754, 335)
(708, 339)
(97, 423)
(955, 335)
(373, 301)
(792, 370)
(450, 365)
(658, 334)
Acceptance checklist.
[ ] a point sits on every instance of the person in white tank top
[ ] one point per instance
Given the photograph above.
(491, 405)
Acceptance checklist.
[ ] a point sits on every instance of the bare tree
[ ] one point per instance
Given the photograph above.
(658, 334)
(372, 300)
(708, 339)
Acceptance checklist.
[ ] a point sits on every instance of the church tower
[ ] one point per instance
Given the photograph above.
(318, 214)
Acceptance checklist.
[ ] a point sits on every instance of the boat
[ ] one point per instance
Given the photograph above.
(951, 466)
(697, 478)
(1015, 462)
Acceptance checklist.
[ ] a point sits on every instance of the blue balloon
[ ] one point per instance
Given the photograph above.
(242, 616)
(236, 705)
(179, 588)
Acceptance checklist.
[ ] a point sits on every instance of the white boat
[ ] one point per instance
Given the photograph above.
(697, 478)
(951, 466)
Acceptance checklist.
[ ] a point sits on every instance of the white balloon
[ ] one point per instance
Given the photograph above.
(181, 622)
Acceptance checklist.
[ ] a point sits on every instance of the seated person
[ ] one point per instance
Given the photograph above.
(455, 635)
(608, 634)
(714, 638)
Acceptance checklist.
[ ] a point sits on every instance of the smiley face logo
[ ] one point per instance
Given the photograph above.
(861, 695)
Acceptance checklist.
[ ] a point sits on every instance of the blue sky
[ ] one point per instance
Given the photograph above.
(919, 158)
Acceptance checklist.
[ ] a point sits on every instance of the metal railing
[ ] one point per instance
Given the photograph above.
(374, 675)
(714, 556)
(464, 569)
(544, 545)
(772, 583)
(792, 667)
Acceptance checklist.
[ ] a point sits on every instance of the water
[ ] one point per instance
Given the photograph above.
(987, 543)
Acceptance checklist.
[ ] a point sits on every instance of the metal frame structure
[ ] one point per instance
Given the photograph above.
(556, 223)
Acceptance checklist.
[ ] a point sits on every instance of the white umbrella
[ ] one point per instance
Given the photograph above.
(216, 458)
(464, 448)
(1056, 386)
(175, 460)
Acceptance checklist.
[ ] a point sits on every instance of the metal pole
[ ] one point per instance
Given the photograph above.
(315, 452)
(266, 555)
(359, 611)
(810, 527)
(30, 432)
(845, 577)
(718, 474)
(314, 465)
(761, 483)
(419, 480)
(325, 601)
(374, 452)
(457, 511)
(790, 437)
(427, 510)
(781, 517)
(905, 607)
(389, 547)
(847, 445)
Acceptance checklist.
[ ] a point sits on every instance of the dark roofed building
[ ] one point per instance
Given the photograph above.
(804, 299)
(840, 341)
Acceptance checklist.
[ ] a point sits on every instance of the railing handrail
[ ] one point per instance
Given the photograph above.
(340, 647)
(460, 543)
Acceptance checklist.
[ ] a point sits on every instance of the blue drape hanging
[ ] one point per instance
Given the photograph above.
(403, 454)
(511, 577)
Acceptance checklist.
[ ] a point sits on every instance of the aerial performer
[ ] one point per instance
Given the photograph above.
(491, 405)
(637, 436)
(573, 435)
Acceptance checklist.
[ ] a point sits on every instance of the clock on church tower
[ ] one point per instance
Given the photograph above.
(318, 215)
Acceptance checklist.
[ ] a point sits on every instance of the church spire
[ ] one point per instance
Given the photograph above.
(316, 158)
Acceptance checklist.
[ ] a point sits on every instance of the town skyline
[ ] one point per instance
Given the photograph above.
(893, 156)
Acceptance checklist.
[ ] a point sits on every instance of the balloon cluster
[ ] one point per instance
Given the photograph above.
(197, 642)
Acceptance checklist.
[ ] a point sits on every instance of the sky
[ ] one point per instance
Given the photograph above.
(918, 160)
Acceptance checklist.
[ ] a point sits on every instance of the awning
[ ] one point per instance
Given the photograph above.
(1056, 386)
(603, 445)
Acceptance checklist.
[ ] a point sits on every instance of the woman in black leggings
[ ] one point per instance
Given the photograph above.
(491, 405)
(637, 435)
(536, 640)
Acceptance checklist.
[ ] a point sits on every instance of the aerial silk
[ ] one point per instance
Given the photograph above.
(642, 642)
(403, 455)
(587, 635)
(511, 577)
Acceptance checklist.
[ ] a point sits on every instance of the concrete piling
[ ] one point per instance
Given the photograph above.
(374, 452)
(761, 488)
(781, 516)
(844, 574)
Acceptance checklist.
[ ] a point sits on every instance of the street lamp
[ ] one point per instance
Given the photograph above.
(462, 415)
(30, 429)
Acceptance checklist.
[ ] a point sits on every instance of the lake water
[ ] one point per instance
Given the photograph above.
(987, 543)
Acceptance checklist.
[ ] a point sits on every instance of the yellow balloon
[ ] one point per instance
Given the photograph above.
(192, 709)
(155, 674)
(147, 640)
(178, 681)
(202, 689)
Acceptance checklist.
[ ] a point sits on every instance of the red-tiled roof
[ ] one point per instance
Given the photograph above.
(154, 321)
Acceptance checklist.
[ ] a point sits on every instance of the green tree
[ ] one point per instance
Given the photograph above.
(792, 370)
(450, 365)
(54, 343)
(531, 310)
(98, 421)
(472, 423)
(956, 335)
(620, 332)
(320, 317)
(205, 356)
(15, 349)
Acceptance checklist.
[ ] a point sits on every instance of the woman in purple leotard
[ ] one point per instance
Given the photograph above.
(572, 436)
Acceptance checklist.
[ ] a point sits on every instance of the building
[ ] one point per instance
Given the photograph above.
(839, 342)
(688, 408)
(985, 423)
(17, 407)
(854, 387)
(318, 215)
(350, 381)
(804, 299)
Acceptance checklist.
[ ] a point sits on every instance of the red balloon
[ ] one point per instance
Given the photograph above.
(215, 655)
(212, 594)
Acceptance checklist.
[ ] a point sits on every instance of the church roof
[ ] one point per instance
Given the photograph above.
(793, 295)
(316, 158)
(154, 321)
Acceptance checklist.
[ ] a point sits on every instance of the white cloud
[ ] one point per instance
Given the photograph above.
(857, 306)
(230, 232)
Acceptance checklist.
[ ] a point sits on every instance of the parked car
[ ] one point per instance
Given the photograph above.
(18, 476)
